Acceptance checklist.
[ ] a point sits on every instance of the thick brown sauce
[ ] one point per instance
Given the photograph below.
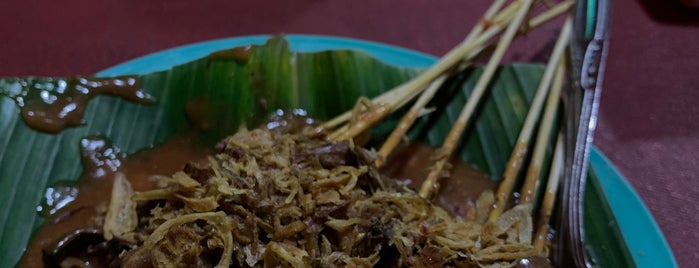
(53, 104)
(239, 54)
(101, 161)
(457, 193)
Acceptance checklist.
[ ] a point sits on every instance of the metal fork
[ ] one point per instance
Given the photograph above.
(588, 53)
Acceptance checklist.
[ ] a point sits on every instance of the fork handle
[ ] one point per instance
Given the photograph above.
(588, 53)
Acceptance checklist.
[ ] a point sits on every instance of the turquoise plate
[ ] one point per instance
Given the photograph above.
(642, 235)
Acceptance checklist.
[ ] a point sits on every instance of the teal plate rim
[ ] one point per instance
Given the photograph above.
(638, 227)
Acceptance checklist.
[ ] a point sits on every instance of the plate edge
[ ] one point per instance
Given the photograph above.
(608, 174)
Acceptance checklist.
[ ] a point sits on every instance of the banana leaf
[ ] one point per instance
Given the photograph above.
(323, 84)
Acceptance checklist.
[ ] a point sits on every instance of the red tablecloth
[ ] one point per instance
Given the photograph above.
(649, 122)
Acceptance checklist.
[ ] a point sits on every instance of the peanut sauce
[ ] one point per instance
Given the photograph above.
(457, 193)
(53, 104)
(101, 160)
(239, 54)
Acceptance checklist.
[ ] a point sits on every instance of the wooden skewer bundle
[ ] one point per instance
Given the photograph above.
(499, 26)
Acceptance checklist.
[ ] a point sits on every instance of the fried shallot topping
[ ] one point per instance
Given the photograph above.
(278, 199)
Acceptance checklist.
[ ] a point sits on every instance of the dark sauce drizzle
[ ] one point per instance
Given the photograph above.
(53, 104)
(239, 54)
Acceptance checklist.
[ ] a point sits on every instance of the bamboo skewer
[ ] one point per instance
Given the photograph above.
(553, 12)
(493, 9)
(471, 46)
(531, 182)
(444, 153)
(549, 201)
(408, 119)
(399, 96)
(404, 93)
(446, 62)
(512, 20)
(514, 163)
(365, 121)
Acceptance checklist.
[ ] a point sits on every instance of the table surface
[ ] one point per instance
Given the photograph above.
(648, 124)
